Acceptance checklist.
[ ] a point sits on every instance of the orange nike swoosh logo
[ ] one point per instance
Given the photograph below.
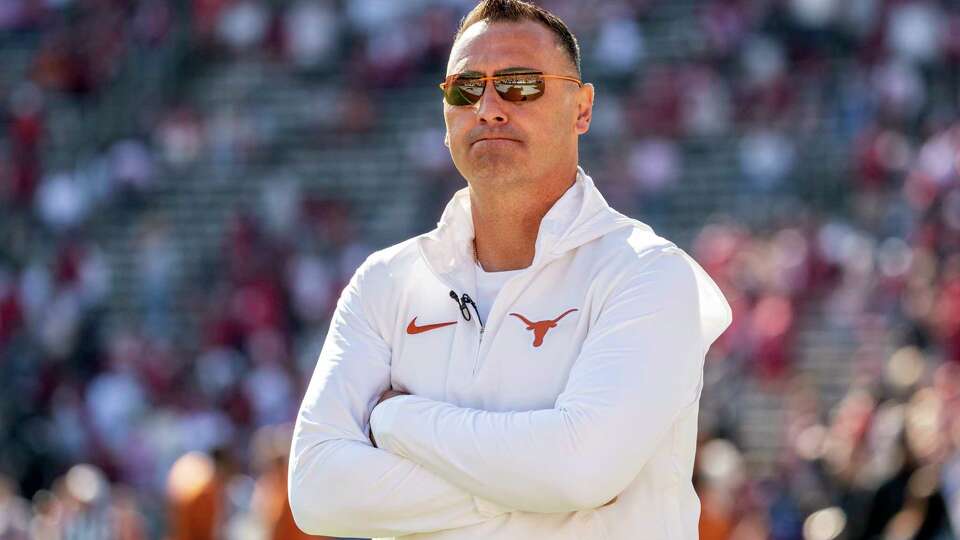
(412, 328)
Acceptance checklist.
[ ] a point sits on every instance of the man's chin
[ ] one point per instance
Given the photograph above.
(502, 174)
(495, 159)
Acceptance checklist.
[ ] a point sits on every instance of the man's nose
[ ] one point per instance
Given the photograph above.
(490, 107)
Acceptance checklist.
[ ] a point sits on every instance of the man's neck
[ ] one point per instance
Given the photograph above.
(506, 222)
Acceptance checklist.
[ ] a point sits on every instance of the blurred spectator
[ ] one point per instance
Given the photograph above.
(766, 158)
(312, 33)
(86, 509)
(620, 46)
(179, 136)
(157, 261)
(15, 510)
(26, 132)
(914, 31)
(196, 495)
(243, 24)
(62, 202)
(131, 171)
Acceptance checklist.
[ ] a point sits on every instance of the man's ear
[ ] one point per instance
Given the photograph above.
(446, 139)
(585, 109)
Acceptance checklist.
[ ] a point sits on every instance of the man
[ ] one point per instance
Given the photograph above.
(532, 367)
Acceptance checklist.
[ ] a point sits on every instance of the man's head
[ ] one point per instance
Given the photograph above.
(538, 139)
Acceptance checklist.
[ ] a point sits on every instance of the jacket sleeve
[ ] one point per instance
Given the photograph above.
(339, 484)
(639, 368)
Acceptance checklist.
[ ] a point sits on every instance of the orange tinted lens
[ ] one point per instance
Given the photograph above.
(519, 87)
(464, 91)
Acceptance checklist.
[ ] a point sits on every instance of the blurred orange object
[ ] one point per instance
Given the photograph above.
(271, 447)
(195, 493)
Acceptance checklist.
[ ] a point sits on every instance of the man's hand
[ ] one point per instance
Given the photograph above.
(387, 394)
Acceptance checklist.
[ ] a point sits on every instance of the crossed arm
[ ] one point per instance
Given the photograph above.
(639, 368)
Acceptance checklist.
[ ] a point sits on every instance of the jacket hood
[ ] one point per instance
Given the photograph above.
(580, 215)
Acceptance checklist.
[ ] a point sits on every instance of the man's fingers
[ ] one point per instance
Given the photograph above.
(389, 393)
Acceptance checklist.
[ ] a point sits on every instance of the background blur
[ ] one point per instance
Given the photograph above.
(186, 186)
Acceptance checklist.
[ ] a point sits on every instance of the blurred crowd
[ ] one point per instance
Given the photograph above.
(131, 430)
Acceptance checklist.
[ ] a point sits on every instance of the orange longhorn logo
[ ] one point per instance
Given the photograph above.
(540, 327)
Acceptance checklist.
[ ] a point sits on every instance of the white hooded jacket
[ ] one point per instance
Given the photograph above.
(569, 413)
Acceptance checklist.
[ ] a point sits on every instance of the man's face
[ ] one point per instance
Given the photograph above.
(542, 134)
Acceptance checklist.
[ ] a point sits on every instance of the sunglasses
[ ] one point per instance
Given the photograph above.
(459, 90)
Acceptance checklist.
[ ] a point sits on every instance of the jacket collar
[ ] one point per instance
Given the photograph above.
(580, 215)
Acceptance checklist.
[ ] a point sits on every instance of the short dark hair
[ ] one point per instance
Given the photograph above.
(519, 10)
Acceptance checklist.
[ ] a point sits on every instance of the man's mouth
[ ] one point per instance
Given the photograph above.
(495, 139)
